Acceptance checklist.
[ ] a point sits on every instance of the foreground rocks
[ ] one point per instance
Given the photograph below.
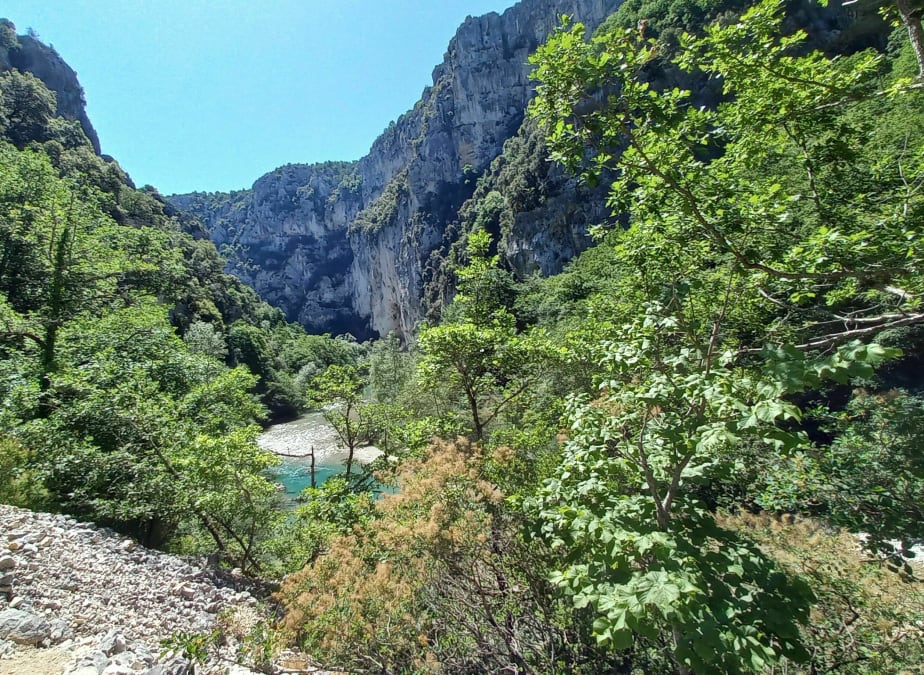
(101, 604)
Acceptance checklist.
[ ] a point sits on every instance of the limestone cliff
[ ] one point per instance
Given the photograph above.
(477, 101)
(27, 53)
(335, 250)
(287, 238)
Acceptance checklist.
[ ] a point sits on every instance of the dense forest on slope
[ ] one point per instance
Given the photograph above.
(135, 370)
(660, 460)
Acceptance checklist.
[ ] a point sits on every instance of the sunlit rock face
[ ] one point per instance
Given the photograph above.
(286, 237)
(352, 247)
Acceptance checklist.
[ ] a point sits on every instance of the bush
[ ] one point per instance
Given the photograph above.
(867, 618)
(19, 485)
(438, 580)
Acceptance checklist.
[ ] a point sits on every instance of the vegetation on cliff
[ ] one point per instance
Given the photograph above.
(134, 370)
(738, 347)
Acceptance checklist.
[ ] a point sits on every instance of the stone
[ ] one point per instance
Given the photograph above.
(128, 660)
(112, 643)
(173, 666)
(7, 562)
(61, 631)
(177, 665)
(23, 627)
(110, 608)
(237, 669)
(94, 662)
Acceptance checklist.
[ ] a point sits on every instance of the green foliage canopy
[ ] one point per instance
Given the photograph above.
(745, 206)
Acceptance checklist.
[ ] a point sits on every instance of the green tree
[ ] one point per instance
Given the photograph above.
(60, 256)
(146, 436)
(8, 37)
(909, 14)
(643, 550)
(202, 338)
(338, 392)
(477, 348)
(390, 369)
(112, 417)
(870, 479)
(750, 202)
(27, 108)
(332, 509)
(473, 357)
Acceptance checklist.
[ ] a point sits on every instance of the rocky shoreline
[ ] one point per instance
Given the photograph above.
(78, 599)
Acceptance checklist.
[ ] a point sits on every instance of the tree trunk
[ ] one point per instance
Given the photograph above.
(682, 669)
(349, 463)
(48, 356)
(476, 418)
(53, 322)
(314, 482)
(910, 12)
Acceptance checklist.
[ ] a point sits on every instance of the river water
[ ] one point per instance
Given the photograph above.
(293, 442)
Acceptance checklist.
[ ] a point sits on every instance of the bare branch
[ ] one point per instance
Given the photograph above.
(22, 334)
(834, 339)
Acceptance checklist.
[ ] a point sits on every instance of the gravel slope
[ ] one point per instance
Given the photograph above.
(79, 599)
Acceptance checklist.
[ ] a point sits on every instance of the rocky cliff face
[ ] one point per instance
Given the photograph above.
(287, 238)
(477, 101)
(27, 54)
(340, 248)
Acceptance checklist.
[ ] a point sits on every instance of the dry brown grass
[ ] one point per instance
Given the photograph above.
(362, 603)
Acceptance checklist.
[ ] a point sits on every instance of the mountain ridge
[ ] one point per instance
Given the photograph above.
(384, 220)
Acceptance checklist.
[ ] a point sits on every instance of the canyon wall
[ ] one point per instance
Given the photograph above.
(351, 247)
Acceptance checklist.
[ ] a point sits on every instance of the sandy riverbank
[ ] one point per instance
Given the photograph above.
(297, 438)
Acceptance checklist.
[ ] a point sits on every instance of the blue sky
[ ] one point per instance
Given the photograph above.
(210, 94)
